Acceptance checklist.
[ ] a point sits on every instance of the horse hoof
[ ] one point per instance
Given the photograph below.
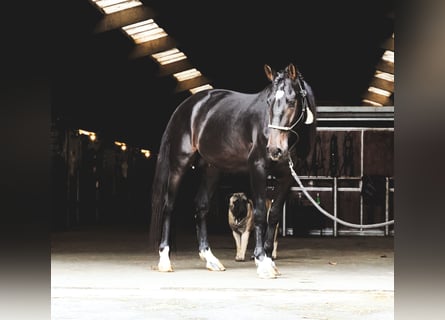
(240, 259)
(165, 268)
(215, 266)
(213, 263)
(266, 268)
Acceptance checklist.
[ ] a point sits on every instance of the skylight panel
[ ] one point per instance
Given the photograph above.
(200, 88)
(385, 72)
(384, 75)
(372, 102)
(187, 74)
(379, 91)
(144, 31)
(388, 55)
(169, 56)
(111, 6)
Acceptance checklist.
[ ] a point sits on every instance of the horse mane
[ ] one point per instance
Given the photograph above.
(305, 147)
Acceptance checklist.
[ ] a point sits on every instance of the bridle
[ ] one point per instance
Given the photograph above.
(303, 97)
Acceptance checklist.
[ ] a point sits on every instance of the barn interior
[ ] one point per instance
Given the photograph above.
(116, 80)
(38, 35)
(113, 89)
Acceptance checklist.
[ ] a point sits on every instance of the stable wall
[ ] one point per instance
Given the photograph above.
(356, 185)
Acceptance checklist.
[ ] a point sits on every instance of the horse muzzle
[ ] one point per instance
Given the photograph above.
(275, 154)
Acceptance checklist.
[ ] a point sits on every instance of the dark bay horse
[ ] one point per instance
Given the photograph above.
(228, 131)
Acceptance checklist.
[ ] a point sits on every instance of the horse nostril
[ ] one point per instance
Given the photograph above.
(275, 153)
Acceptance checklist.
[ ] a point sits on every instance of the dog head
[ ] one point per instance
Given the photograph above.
(238, 205)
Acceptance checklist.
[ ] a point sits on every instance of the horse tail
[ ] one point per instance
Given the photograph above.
(159, 191)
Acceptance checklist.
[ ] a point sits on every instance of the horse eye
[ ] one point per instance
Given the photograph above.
(291, 103)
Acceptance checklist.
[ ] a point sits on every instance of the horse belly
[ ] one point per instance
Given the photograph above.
(223, 155)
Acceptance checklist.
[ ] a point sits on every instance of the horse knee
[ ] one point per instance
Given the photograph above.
(201, 211)
(259, 219)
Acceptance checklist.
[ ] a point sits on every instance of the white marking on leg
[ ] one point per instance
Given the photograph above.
(164, 264)
(266, 268)
(212, 263)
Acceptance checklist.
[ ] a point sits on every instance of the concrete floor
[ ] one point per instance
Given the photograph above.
(110, 273)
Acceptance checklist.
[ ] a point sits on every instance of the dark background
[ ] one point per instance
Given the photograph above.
(97, 86)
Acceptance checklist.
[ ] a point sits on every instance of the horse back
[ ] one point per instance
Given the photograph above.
(221, 125)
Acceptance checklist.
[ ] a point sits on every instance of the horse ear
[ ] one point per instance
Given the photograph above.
(269, 72)
(292, 71)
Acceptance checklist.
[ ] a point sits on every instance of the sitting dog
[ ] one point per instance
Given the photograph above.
(240, 218)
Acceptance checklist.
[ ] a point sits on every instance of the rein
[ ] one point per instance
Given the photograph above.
(332, 217)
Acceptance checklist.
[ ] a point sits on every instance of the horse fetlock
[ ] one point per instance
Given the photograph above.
(271, 250)
(268, 246)
(259, 253)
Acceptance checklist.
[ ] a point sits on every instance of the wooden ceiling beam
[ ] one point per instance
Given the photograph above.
(385, 66)
(175, 67)
(123, 18)
(382, 84)
(386, 101)
(388, 44)
(151, 47)
(192, 83)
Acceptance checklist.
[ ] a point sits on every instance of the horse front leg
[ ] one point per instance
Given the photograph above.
(202, 204)
(265, 266)
(270, 242)
(274, 213)
(275, 237)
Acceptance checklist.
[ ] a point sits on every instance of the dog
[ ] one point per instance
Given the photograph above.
(240, 219)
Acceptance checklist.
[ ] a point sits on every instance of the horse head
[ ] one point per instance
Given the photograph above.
(288, 108)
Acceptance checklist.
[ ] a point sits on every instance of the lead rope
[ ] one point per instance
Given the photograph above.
(352, 225)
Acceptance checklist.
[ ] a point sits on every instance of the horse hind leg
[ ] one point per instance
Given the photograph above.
(174, 181)
(164, 264)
